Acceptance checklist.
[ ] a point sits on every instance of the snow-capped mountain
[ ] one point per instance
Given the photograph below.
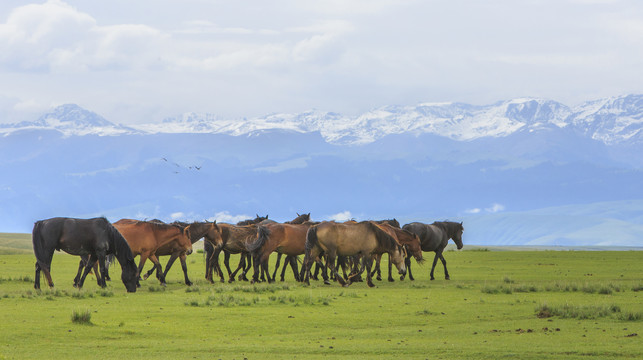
(611, 121)
(70, 119)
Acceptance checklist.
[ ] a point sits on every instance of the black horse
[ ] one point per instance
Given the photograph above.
(87, 238)
(435, 237)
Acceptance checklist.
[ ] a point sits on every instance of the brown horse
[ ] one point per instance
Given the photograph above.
(290, 259)
(289, 239)
(409, 240)
(235, 239)
(146, 237)
(207, 230)
(364, 238)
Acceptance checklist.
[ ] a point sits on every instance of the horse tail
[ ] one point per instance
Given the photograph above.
(311, 239)
(263, 233)
(38, 243)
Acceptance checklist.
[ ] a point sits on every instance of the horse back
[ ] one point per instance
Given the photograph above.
(432, 238)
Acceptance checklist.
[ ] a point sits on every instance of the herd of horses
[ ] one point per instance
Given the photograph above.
(329, 246)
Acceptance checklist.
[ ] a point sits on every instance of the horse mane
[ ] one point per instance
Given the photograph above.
(122, 249)
(385, 240)
(450, 227)
(393, 222)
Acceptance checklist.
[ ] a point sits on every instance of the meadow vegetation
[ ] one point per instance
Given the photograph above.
(527, 305)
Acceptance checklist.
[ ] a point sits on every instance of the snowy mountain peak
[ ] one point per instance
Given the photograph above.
(612, 120)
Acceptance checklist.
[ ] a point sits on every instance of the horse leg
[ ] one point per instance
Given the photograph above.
(367, 263)
(81, 266)
(435, 261)
(255, 274)
(88, 266)
(390, 264)
(141, 263)
(169, 264)
(293, 266)
(226, 262)
(407, 262)
(378, 260)
(274, 274)
(264, 266)
(331, 262)
(184, 267)
(444, 262)
(159, 269)
(36, 282)
(246, 268)
(100, 275)
(233, 274)
(147, 274)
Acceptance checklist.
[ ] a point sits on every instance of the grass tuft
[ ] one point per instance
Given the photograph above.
(82, 317)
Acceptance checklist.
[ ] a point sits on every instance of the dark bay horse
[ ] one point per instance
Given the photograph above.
(364, 239)
(197, 230)
(235, 240)
(435, 237)
(406, 238)
(93, 239)
(146, 237)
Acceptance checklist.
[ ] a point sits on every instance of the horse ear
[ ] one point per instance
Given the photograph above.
(257, 215)
(297, 214)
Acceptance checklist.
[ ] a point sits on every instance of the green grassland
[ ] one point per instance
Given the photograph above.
(498, 304)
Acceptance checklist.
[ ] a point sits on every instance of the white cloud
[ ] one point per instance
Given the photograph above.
(473, 211)
(253, 58)
(342, 216)
(226, 217)
(177, 216)
(494, 208)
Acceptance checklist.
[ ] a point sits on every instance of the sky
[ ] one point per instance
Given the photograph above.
(143, 61)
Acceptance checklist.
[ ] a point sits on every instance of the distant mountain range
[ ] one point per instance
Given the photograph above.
(613, 120)
(518, 172)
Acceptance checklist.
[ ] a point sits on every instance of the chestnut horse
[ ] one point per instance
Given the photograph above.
(146, 237)
(290, 259)
(435, 237)
(409, 240)
(207, 230)
(93, 239)
(289, 239)
(364, 239)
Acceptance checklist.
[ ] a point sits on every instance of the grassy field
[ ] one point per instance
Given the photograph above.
(511, 304)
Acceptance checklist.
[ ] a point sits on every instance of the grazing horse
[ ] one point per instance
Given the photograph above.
(347, 239)
(406, 238)
(146, 237)
(435, 237)
(93, 239)
(289, 239)
(235, 239)
(208, 230)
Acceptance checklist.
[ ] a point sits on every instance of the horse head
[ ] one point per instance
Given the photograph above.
(397, 257)
(457, 235)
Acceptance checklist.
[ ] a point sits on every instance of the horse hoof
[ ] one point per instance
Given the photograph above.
(392, 280)
(326, 282)
(379, 278)
(447, 278)
(346, 285)
(188, 283)
(145, 277)
(371, 285)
